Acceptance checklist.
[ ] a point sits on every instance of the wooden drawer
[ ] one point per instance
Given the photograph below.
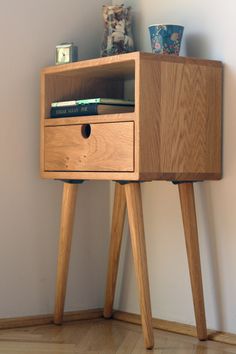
(90, 147)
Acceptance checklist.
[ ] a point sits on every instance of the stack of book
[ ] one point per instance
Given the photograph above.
(91, 106)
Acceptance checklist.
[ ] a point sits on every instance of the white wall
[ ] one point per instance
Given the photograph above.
(209, 33)
(29, 206)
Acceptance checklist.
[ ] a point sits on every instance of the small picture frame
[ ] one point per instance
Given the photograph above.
(66, 53)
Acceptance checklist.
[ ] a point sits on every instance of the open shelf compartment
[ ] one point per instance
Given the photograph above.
(104, 78)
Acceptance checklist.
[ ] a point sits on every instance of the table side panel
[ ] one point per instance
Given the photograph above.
(190, 118)
(180, 120)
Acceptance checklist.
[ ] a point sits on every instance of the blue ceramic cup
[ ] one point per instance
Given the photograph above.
(166, 39)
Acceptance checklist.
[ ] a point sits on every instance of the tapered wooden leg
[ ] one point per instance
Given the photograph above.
(118, 217)
(135, 215)
(186, 194)
(67, 218)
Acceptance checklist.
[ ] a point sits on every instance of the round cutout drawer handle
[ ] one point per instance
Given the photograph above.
(86, 130)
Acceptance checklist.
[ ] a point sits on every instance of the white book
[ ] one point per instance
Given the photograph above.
(113, 101)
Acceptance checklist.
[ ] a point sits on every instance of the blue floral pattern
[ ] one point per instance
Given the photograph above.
(166, 39)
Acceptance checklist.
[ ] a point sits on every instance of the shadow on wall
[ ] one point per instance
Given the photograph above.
(197, 46)
(214, 268)
(88, 260)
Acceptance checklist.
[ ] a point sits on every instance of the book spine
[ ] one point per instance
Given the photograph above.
(73, 111)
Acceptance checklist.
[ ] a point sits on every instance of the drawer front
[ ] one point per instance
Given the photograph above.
(90, 147)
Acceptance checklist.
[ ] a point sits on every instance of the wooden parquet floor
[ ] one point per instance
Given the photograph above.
(101, 337)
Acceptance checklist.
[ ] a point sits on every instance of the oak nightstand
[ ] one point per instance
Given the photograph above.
(173, 134)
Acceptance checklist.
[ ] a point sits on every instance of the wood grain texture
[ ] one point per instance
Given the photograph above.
(59, 84)
(186, 194)
(178, 105)
(135, 216)
(169, 326)
(104, 118)
(176, 327)
(137, 114)
(180, 119)
(67, 219)
(150, 117)
(118, 217)
(120, 64)
(38, 320)
(191, 119)
(180, 59)
(43, 100)
(69, 87)
(80, 318)
(115, 176)
(101, 337)
(110, 147)
(113, 66)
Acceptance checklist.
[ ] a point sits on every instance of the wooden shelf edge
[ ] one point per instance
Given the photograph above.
(115, 176)
(181, 176)
(130, 176)
(103, 118)
(180, 59)
(84, 64)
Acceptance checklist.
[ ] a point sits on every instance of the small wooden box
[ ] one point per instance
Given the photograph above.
(173, 134)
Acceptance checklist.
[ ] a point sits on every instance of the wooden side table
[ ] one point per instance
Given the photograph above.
(173, 134)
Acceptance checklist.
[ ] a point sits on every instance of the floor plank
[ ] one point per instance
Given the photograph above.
(101, 337)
